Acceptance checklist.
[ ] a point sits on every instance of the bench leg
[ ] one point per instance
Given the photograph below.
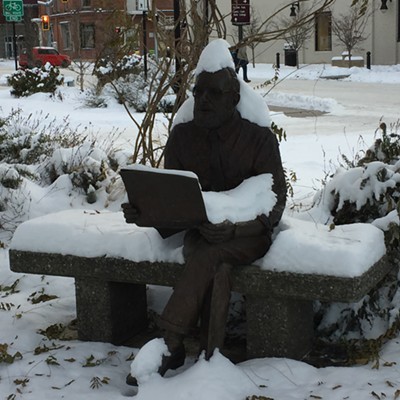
(109, 311)
(278, 327)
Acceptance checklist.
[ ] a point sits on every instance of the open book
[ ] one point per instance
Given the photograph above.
(168, 200)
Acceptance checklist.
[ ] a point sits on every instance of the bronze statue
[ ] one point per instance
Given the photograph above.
(223, 149)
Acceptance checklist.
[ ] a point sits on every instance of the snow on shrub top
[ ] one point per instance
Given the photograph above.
(362, 184)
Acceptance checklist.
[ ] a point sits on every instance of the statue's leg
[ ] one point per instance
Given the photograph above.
(204, 320)
(213, 325)
(183, 309)
(207, 272)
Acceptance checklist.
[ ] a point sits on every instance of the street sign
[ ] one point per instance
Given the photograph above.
(13, 8)
(142, 5)
(240, 12)
(136, 6)
(13, 18)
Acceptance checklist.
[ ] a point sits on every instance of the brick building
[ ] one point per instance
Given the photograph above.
(84, 28)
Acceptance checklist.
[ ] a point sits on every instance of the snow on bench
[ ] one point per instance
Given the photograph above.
(112, 262)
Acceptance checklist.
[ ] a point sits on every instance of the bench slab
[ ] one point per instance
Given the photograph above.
(111, 297)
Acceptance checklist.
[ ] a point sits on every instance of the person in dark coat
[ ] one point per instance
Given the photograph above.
(242, 61)
(222, 149)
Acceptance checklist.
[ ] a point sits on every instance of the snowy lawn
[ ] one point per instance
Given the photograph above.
(36, 366)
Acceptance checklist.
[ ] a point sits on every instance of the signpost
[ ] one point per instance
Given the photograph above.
(240, 15)
(240, 12)
(13, 10)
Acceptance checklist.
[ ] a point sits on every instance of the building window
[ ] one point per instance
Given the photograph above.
(87, 36)
(323, 31)
(86, 3)
(66, 36)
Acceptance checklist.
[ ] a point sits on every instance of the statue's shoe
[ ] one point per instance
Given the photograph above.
(174, 361)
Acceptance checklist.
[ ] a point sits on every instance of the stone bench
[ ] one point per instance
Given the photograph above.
(111, 297)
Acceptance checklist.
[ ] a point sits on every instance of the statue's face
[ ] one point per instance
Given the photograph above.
(215, 99)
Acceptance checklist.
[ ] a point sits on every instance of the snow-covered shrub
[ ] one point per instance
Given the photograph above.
(9, 176)
(87, 166)
(125, 80)
(110, 69)
(93, 100)
(14, 203)
(40, 151)
(366, 190)
(30, 140)
(28, 81)
(369, 188)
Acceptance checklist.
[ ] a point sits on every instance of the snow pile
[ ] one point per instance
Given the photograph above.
(216, 379)
(301, 101)
(101, 233)
(148, 360)
(251, 198)
(347, 250)
(384, 222)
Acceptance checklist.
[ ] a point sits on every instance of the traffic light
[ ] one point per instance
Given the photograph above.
(64, 1)
(45, 22)
(117, 29)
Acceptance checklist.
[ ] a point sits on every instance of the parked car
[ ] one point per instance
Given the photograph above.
(42, 55)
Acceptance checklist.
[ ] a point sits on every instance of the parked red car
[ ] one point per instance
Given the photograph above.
(42, 55)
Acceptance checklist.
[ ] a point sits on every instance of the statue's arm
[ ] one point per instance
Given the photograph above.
(269, 160)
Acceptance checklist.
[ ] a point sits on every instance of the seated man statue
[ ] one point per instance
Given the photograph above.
(223, 149)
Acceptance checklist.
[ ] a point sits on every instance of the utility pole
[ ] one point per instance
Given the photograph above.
(177, 42)
(145, 43)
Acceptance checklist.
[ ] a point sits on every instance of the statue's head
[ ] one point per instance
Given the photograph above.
(216, 95)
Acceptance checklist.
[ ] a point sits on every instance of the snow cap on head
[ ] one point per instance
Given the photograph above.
(214, 57)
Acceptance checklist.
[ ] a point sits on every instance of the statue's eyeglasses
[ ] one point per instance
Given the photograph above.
(212, 92)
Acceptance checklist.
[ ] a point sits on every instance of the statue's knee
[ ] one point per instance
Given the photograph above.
(224, 268)
(223, 273)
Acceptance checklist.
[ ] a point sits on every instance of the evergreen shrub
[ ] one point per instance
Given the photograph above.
(367, 190)
(29, 81)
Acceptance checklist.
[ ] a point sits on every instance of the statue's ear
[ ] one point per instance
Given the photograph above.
(236, 98)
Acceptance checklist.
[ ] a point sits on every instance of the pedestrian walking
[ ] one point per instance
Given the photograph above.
(242, 61)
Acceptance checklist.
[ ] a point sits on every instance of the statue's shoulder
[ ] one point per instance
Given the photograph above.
(181, 130)
(255, 129)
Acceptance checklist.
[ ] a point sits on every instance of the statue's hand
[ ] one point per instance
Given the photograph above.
(131, 214)
(217, 233)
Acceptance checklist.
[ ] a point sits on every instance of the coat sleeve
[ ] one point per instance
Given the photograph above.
(268, 160)
(171, 155)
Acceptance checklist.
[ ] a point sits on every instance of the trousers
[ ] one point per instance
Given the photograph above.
(204, 289)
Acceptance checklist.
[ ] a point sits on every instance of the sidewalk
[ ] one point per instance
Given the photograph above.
(296, 112)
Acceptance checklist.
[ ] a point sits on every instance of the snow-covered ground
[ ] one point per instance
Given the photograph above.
(56, 369)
